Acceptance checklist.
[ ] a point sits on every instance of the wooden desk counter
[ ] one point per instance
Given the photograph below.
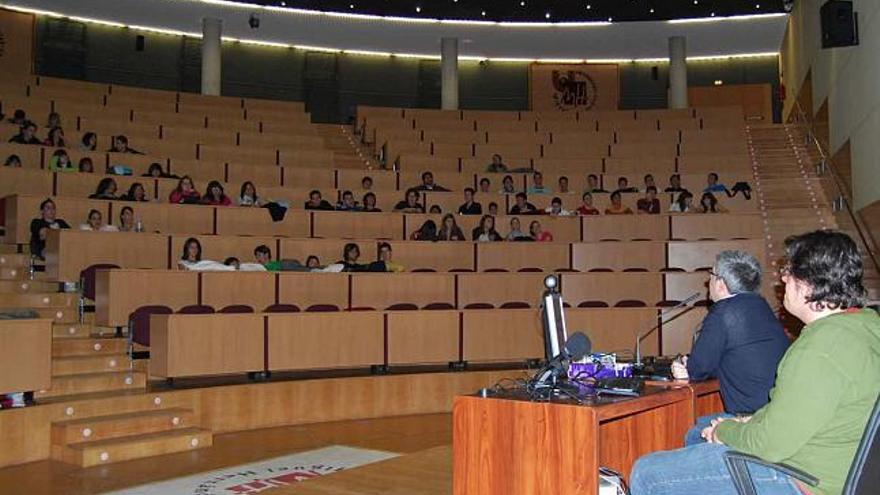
(27, 360)
(515, 446)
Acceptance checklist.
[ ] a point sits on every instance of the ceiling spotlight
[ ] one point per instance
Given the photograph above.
(652, 10)
(696, 2)
(757, 5)
(351, 6)
(483, 13)
(718, 82)
(589, 6)
(522, 4)
(547, 15)
(610, 19)
(284, 4)
(418, 9)
(712, 14)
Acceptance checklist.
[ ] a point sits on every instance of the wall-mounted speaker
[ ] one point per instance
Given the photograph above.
(840, 26)
(139, 43)
(655, 73)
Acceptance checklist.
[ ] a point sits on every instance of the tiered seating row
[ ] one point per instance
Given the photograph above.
(69, 252)
(198, 345)
(121, 291)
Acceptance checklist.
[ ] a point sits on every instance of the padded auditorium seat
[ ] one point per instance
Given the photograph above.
(281, 308)
(635, 270)
(437, 306)
(515, 305)
(461, 270)
(630, 303)
(87, 285)
(139, 323)
(402, 307)
(423, 270)
(196, 309)
(530, 269)
(479, 306)
(322, 308)
(593, 304)
(600, 270)
(497, 270)
(236, 309)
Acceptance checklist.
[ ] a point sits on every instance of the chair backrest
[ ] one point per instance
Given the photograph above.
(88, 275)
(479, 306)
(236, 309)
(593, 304)
(864, 473)
(196, 309)
(281, 308)
(321, 308)
(139, 322)
(402, 307)
(438, 306)
(515, 305)
(630, 303)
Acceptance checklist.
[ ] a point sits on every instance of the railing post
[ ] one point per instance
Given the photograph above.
(821, 167)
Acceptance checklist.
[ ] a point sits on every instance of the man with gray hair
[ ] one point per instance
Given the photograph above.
(740, 341)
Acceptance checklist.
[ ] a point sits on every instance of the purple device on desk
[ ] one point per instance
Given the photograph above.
(589, 370)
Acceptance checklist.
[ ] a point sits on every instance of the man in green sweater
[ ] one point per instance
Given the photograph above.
(826, 387)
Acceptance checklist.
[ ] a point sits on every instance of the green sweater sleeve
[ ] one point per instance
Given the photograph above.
(807, 393)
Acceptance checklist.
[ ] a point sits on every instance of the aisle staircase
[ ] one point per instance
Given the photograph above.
(348, 152)
(85, 364)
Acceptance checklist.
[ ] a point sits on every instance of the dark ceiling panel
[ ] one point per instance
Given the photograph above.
(540, 10)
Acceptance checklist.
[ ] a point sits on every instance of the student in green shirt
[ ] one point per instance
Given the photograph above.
(264, 257)
(826, 387)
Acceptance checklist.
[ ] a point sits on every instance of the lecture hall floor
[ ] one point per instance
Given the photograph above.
(425, 468)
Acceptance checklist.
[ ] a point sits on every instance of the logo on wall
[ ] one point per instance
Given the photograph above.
(574, 90)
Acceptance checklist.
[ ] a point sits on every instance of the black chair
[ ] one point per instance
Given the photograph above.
(593, 304)
(515, 305)
(863, 477)
(479, 306)
(196, 309)
(87, 285)
(139, 325)
(438, 306)
(281, 308)
(322, 308)
(630, 303)
(402, 307)
(236, 309)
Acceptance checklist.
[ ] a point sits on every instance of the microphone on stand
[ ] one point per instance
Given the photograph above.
(644, 332)
(576, 347)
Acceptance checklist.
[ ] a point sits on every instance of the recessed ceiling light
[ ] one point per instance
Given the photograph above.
(712, 14)
(284, 4)
(718, 82)
(652, 10)
(757, 5)
(589, 6)
(351, 6)
(483, 13)
(696, 2)
(610, 19)
(522, 4)
(418, 9)
(547, 15)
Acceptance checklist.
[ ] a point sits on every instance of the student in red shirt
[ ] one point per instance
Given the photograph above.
(539, 234)
(215, 196)
(587, 208)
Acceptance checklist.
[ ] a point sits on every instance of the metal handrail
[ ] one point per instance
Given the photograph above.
(844, 197)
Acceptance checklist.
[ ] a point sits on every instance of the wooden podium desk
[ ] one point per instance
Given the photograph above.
(514, 446)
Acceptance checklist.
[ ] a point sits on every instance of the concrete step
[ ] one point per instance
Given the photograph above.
(27, 287)
(86, 454)
(77, 365)
(99, 428)
(38, 300)
(55, 313)
(81, 331)
(85, 383)
(15, 260)
(88, 347)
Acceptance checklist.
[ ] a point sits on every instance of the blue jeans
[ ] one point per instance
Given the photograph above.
(700, 470)
(693, 435)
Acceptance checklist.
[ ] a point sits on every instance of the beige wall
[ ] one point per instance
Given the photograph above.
(849, 78)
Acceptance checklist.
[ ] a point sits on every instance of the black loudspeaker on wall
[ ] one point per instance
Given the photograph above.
(840, 26)
(139, 43)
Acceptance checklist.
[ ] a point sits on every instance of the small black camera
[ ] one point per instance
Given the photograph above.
(254, 21)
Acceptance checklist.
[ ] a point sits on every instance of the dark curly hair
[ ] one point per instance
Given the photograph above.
(830, 263)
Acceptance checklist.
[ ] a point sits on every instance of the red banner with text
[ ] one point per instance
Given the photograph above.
(573, 87)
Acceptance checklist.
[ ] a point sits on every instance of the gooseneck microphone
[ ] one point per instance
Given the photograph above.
(655, 323)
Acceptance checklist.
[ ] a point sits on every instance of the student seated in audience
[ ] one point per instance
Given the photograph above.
(593, 184)
(586, 207)
(427, 232)
(95, 222)
(449, 229)
(624, 187)
(60, 162)
(683, 203)
(369, 203)
(120, 145)
(485, 185)
(713, 186)
(367, 183)
(826, 387)
(350, 254)
(539, 234)
(709, 204)
(40, 227)
(485, 232)
(385, 256)
(470, 207)
(185, 192)
(263, 256)
(247, 196)
(312, 262)
(86, 166)
(233, 262)
(649, 182)
(740, 341)
(507, 185)
(435, 210)
(538, 186)
(493, 209)
(649, 204)
(53, 120)
(563, 185)
(429, 185)
(617, 207)
(89, 142)
(348, 203)
(27, 135)
(522, 206)
(556, 208)
(675, 184)
(127, 222)
(55, 138)
(215, 195)
(18, 117)
(136, 192)
(192, 253)
(12, 161)
(498, 167)
(106, 189)
(156, 171)
(410, 204)
(516, 233)
(316, 202)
